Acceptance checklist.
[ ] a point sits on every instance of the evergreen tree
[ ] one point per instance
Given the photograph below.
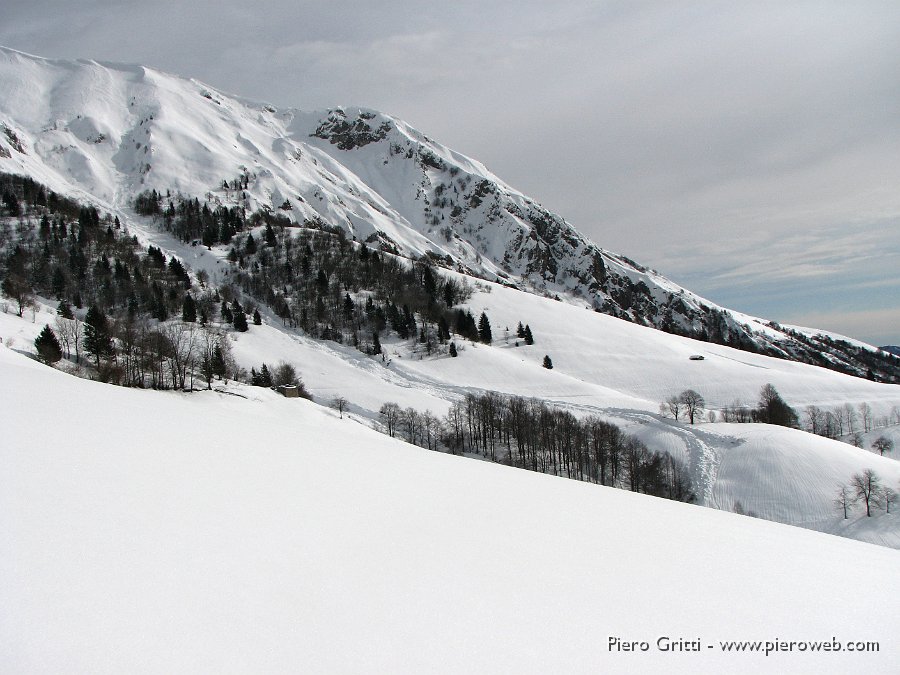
(270, 235)
(218, 361)
(250, 246)
(257, 319)
(322, 281)
(772, 409)
(548, 363)
(189, 309)
(97, 340)
(64, 309)
(177, 270)
(443, 330)
(484, 329)
(453, 350)
(265, 377)
(376, 343)
(48, 348)
(240, 319)
(520, 330)
(348, 306)
(529, 340)
(58, 285)
(449, 294)
(227, 316)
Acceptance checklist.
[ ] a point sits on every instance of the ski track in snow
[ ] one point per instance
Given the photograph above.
(604, 366)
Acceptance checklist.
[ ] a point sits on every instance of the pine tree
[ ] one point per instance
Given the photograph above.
(218, 361)
(227, 316)
(548, 363)
(348, 306)
(443, 330)
(240, 319)
(265, 377)
(376, 343)
(250, 246)
(453, 350)
(58, 284)
(529, 340)
(96, 334)
(48, 348)
(189, 309)
(484, 329)
(257, 319)
(177, 270)
(270, 235)
(520, 331)
(322, 281)
(64, 309)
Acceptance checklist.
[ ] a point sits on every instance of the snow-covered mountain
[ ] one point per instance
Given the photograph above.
(105, 133)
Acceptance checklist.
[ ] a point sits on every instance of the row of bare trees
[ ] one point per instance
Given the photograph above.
(865, 488)
(847, 420)
(530, 434)
(146, 353)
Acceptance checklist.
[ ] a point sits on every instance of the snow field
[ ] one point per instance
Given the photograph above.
(159, 532)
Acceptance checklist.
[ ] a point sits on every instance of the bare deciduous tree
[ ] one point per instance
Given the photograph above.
(71, 334)
(883, 445)
(867, 487)
(815, 419)
(890, 497)
(844, 500)
(849, 417)
(432, 427)
(671, 406)
(339, 403)
(865, 415)
(693, 403)
(390, 415)
(19, 290)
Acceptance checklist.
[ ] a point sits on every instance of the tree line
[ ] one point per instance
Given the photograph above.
(533, 435)
(865, 488)
(844, 422)
(133, 315)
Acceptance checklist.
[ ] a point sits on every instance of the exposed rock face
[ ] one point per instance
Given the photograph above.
(106, 133)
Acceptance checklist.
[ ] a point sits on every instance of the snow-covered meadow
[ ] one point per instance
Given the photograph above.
(164, 532)
(612, 368)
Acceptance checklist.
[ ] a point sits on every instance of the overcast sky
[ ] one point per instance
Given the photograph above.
(748, 150)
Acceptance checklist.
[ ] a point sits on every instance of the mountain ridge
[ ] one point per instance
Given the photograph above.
(107, 132)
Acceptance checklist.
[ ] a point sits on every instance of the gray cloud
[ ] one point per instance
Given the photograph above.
(725, 144)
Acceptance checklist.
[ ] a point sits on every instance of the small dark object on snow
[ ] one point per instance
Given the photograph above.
(696, 357)
(289, 391)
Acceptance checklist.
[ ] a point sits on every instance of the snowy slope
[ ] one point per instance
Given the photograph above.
(621, 372)
(106, 132)
(266, 535)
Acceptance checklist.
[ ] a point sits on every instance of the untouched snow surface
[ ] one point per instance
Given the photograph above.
(161, 532)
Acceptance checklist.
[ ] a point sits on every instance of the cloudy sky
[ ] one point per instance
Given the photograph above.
(750, 151)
